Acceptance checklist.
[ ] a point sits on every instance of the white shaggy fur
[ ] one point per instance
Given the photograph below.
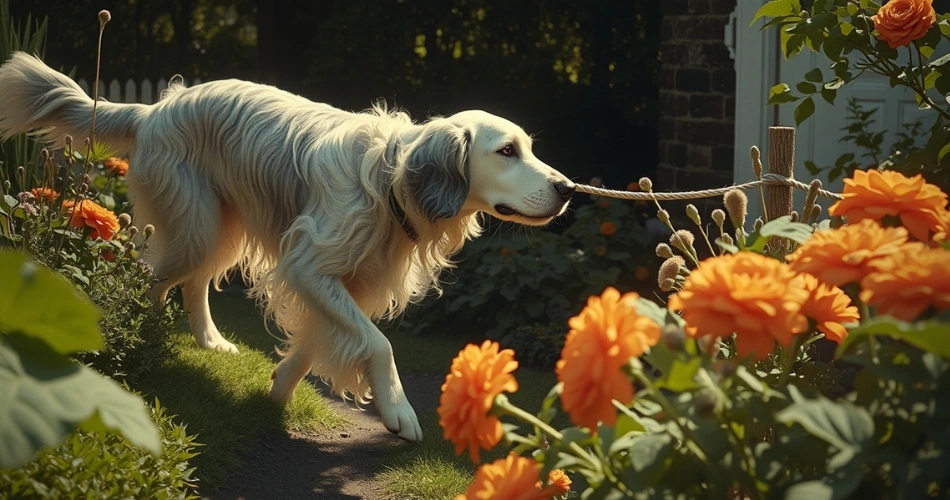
(297, 194)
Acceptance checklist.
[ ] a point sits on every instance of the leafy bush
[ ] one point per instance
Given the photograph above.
(88, 465)
(734, 398)
(861, 36)
(513, 286)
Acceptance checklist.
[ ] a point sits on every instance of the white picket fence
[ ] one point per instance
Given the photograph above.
(144, 92)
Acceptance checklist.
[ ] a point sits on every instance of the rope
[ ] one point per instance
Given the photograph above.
(767, 180)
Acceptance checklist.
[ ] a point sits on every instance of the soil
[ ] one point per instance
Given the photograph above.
(337, 465)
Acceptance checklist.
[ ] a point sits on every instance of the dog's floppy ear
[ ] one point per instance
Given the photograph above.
(437, 169)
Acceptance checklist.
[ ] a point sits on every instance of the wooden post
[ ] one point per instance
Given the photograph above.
(781, 162)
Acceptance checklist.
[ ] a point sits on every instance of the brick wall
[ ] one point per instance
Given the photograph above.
(697, 96)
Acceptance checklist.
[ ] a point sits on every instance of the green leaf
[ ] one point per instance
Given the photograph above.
(930, 336)
(782, 227)
(652, 310)
(814, 76)
(648, 455)
(804, 110)
(38, 303)
(806, 87)
(682, 375)
(943, 152)
(44, 396)
(829, 95)
(781, 93)
(847, 427)
(810, 490)
(774, 8)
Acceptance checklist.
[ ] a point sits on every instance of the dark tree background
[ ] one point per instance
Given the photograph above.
(579, 74)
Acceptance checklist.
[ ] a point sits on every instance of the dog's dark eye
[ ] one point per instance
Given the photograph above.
(508, 150)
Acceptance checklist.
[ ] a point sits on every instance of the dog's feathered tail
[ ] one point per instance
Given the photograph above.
(36, 98)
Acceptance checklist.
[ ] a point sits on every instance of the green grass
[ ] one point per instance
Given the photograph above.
(430, 469)
(223, 398)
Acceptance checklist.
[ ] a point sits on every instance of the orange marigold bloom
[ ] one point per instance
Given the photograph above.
(758, 298)
(830, 307)
(559, 479)
(509, 478)
(117, 165)
(842, 256)
(900, 22)
(876, 194)
(604, 337)
(477, 376)
(907, 283)
(103, 222)
(44, 193)
(608, 228)
(943, 228)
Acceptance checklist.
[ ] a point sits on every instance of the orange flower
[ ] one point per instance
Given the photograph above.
(829, 306)
(103, 222)
(842, 256)
(877, 194)
(900, 22)
(758, 298)
(557, 478)
(44, 193)
(117, 165)
(505, 251)
(509, 478)
(633, 186)
(477, 376)
(942, 232)
(641, 273)
(907, 283)
(604, 337)
(608, 228)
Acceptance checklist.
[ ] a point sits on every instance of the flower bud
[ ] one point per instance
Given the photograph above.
(664, 251)
(149, 230)
(68, 140)
(693, 213)
(663, 215)
(756, 162)
(85, 178)
(646, 184)
(669, 270)
(133, 231)
(737, 204)
(20, 170)
(727, 239)
(812, 195)
(124, 220)
(705, 402)
(6, 185)
(815, 213)
(129, 246)
(673, 337)
(758, 224)
(667, 284)
(794, 216)
(683, 241)
(44, 153)
(719, 217)
(104, 17)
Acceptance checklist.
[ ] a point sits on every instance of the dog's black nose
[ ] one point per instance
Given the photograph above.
(565, 189)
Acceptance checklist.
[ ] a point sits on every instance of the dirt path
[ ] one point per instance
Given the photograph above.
(338, 465)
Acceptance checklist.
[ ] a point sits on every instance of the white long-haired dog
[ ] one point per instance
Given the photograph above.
(336, 218)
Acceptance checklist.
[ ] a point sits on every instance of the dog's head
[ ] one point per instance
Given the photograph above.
(475, 161)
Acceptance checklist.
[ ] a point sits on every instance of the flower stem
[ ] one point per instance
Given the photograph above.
(506, 408)
(790, 357)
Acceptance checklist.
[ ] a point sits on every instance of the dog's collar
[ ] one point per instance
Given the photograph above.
(402, 217)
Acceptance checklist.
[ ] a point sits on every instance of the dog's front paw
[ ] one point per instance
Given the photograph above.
(217, 343)
(400, 419)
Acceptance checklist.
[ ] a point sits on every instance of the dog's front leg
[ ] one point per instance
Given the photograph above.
(356, 344)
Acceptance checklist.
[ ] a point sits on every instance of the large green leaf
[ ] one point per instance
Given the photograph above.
(840, 424)
(810, 490)
(776, 8)
(649, 454)
(40, 304)
(44, 396)
(931, 336)
(781, 227)
(681, 375)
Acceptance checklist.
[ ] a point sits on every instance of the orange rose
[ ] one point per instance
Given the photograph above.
(756, 297)
(900, 22)
(604, 337)
(117, 165)
(477, 376)
(509, 478)
(878, 194)
(103, 222)
(905, 284)
(608, 228)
